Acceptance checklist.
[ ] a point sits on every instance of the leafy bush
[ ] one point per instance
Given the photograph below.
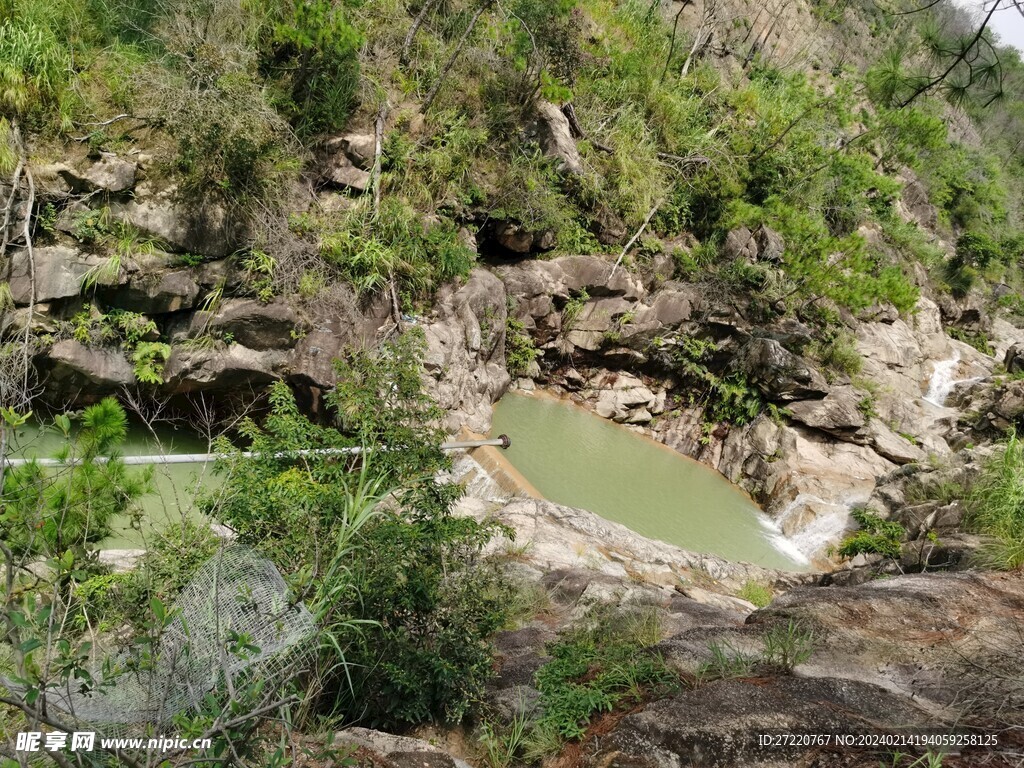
(310, 50)
(520, 350)
(976, 249)
(996, 506)
(393, 577)
(876, 536)
(48, 512)
(726, 398)
(425, 655)
(596, 668)
(398, 244)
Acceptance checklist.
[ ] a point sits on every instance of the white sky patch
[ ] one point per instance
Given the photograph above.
(1007, 22)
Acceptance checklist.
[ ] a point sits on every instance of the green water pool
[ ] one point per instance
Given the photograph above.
(579, 459)
(174, 486)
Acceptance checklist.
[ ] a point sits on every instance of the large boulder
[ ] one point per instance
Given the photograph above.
(925, 636)
(231, 369)
(80, 372)
(720, 725)
(346, 161)
(110, 174)
(839, 414)
(596, 321)
(519, 238)
(200, 227)
(897, 448)
(1007, 408)
(253, 324)
(358, 148)
(624, 398)
(155, 293)
(387, 750)
(778, 373)
(763, 244)
(1014, 358)
(57, 272)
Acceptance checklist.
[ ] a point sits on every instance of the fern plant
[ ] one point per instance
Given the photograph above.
(149, 359)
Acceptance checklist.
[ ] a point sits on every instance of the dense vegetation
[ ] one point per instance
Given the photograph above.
(238, 96)
(231, 103)
(405, 607)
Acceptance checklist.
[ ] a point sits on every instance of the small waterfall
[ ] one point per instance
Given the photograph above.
(826, 528)
(942, 381)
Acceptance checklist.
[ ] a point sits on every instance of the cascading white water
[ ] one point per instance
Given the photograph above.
(826, 528)
(942, 381)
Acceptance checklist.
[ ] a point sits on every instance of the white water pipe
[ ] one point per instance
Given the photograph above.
(501, 441)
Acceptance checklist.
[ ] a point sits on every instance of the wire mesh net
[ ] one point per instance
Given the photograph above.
(233, 620)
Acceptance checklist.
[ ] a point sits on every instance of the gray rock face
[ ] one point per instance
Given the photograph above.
(839, 412)
(717, 726)
(345, 161)
(233, 369)
(892, 446)
(555, 136)
(519, 238)
(465, 358)
(205, 228)
(76, 368)
(1007, 407)
(390, 751)
(739, 244)
(624, 398)
(917, 205)
(251, 323)
(778, 373)
(59, 271)
(565, 538)
(763, 244)
(910, 634)
(109, 174)
(156, 293)
(1014, 358)
(358, 148)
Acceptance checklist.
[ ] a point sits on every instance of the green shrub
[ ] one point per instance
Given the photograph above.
(976, 249)
(756, 593)
(996, 504)
(425, 656)
(392, 576)
(726, 398)
(876, 536)
(520, 350)
(314, 49)
(48, 512)
(370, 251)
(597, 668)
(787, 645)
(977, 339)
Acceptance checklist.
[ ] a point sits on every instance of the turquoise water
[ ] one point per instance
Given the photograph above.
(174, 486)
(576, 458)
